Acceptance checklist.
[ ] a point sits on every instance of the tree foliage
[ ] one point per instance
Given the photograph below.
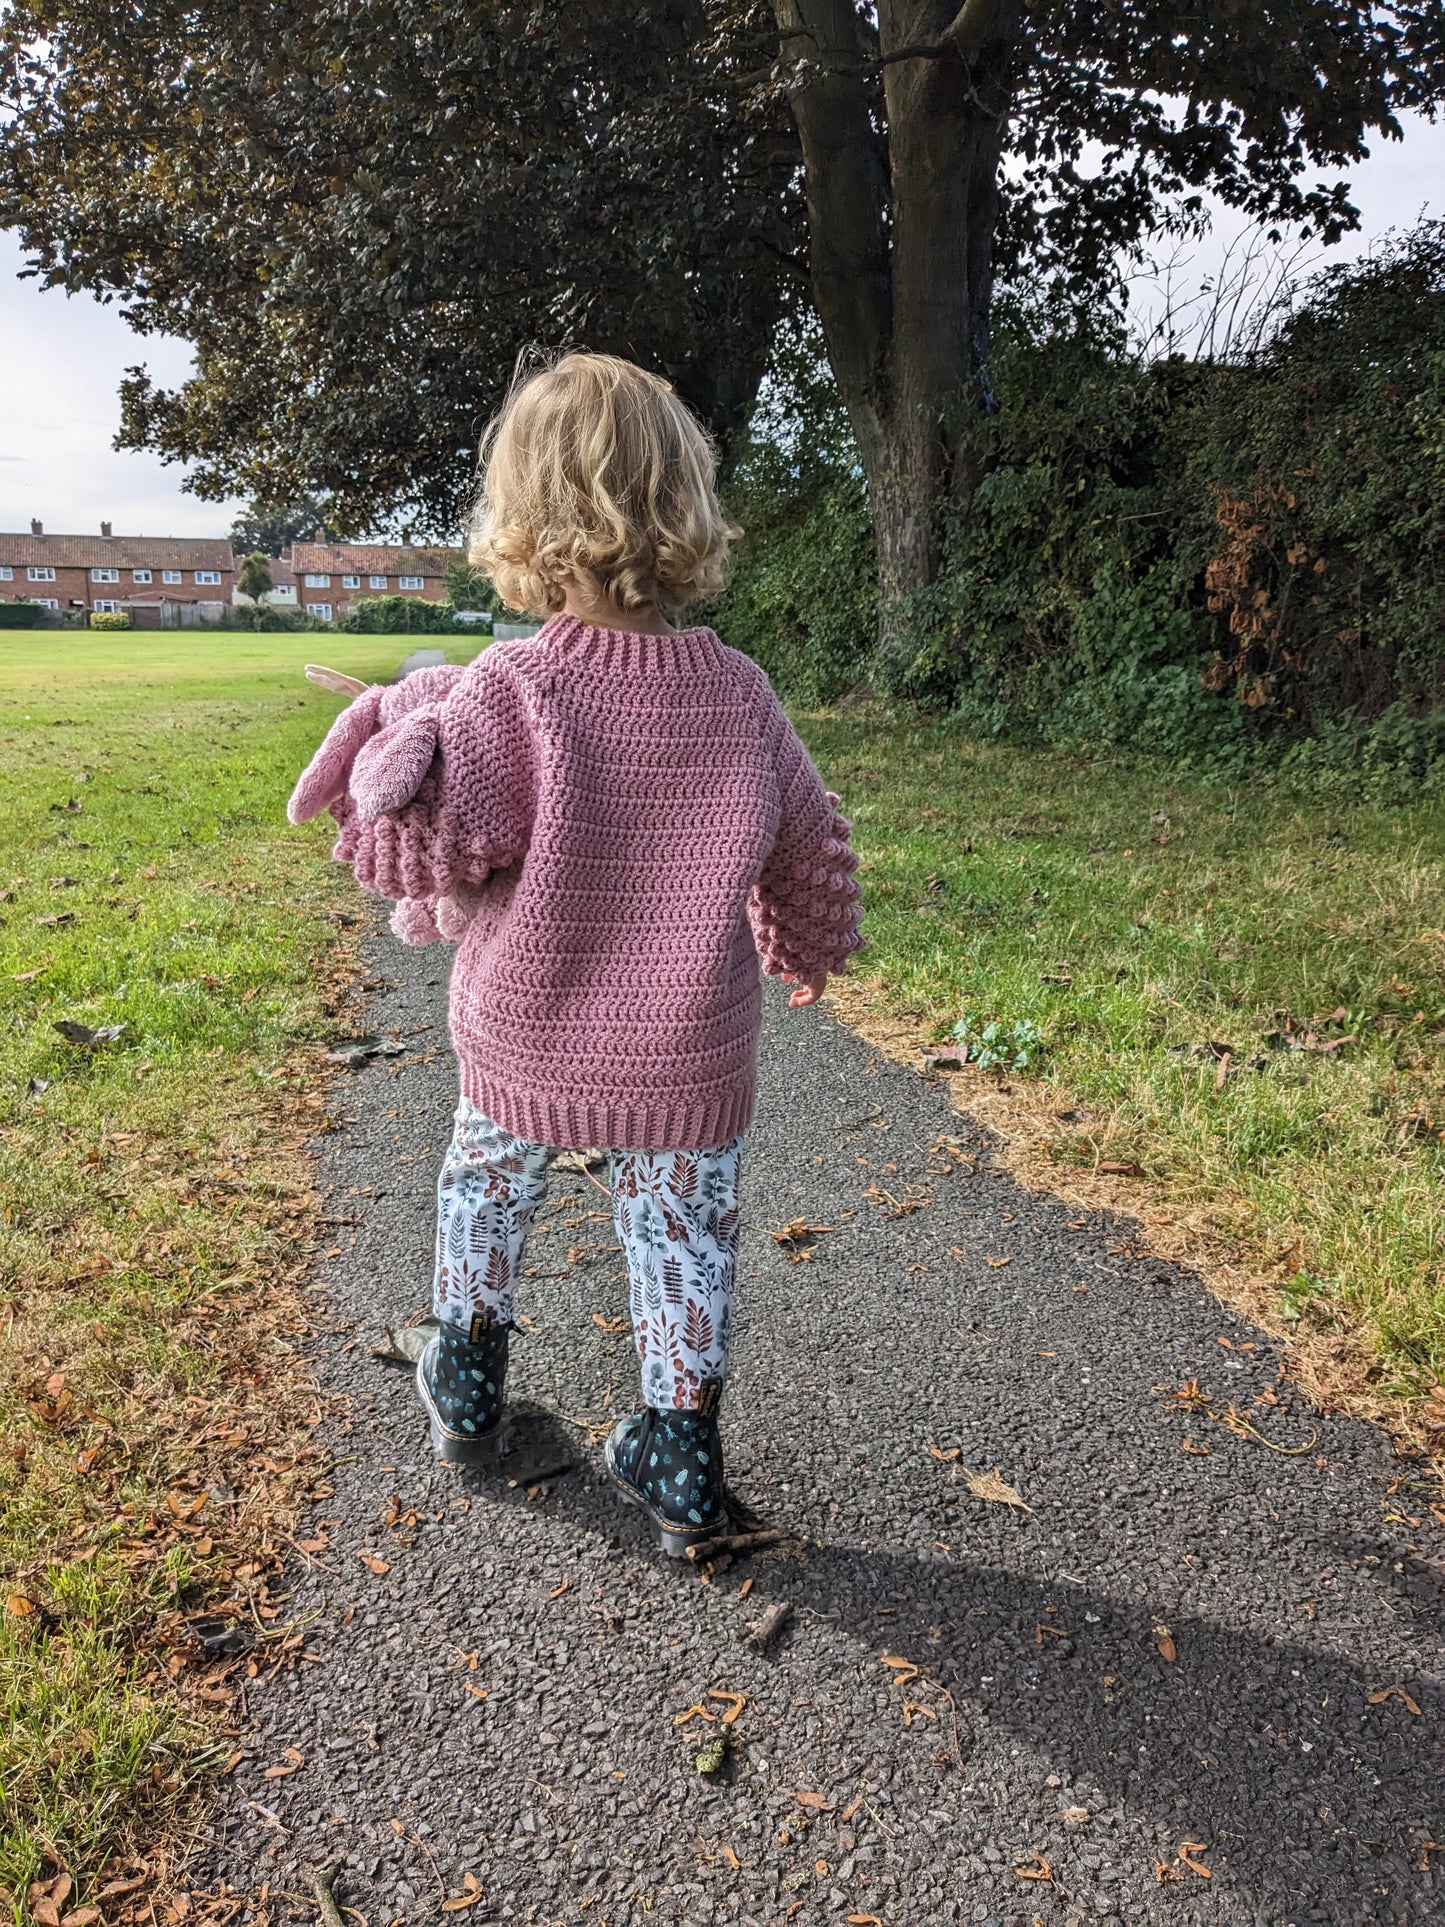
(362, 213)
(271, 528)
(1230, 563)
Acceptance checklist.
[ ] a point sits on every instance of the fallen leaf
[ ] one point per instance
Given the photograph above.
(1186, 1858)
(1164, 1873)
(372, 1563)
(914, 1707)
(1167, 1649)
(477, 1692)
(998, 1263)
(745, 1588)
(820, 1867)
(1395, 1693)
(80, 1917)
(1037, 1869)
(697, 1712)
(992, 1487)
(29, 976)
(1117, 1170)
(18, 1606)
(796, 1240)
(1197, 1451)
(863, 1920)
(816, 1802)
(609, 1325)
(736, 1703)
(732, 1858)
(398, 1827)
(290, 1761)
(471, 1893)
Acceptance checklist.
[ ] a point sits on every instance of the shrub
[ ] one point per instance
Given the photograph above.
(398, 615)
(111, 619)
(22, 615)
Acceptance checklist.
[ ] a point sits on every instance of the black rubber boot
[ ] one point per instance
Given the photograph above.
(670, 1464)
(461, 1379)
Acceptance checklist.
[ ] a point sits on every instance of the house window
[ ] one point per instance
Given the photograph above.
(105, 607)
(140, 575)
(105, 575)
(351, 582)
(377, 581)
(410, 582)
(7, 575)
(45, 601)
(318, 581)
(40, 575)
(208, 577)
(321, 611)
(170, 575)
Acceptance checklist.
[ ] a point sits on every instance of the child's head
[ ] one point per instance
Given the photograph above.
(598, 481)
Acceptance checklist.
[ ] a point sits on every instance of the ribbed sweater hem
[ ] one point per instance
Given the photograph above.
(611, 1124)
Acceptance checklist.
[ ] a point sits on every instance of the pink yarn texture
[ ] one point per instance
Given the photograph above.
(617, 829)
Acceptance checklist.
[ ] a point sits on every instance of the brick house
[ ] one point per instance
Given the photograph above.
(332, 576)
(160, 580)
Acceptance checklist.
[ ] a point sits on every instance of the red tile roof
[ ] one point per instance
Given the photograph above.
(368, 558)
(116, 552)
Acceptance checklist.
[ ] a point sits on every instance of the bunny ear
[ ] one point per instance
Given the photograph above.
(388, 770)
(324, 778)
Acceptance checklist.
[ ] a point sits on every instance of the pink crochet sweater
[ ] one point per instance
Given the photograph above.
(614, 828)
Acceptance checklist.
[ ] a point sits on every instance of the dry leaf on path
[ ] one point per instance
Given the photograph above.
(1037, 1869)
(818, 1802)
(698, 1712)
(290, 1761)
(469, 1896)
(1167, 1650)
(912, 1708)
(1186, 1858)
(992, 1487)
(998, 1263)
(372, 1563)
(797, 1240)
(1394, 1693)
(736, 1702)
(863, 1920)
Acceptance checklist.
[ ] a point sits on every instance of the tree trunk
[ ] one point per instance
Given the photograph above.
(901, 235)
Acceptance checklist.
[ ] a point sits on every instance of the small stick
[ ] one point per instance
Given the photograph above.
(736, 1542)
(763, 1631)
(321, 1879)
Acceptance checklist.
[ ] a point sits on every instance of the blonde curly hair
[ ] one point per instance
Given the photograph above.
(596, 478)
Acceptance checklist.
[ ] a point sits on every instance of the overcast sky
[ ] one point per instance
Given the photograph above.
(62, 358)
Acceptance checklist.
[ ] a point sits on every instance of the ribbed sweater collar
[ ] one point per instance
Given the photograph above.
(626, 652)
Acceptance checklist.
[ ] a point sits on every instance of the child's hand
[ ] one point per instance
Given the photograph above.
(332, 679)
(809, 990)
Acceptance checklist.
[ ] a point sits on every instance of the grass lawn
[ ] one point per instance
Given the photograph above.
(1143, 922)
(156, 1208)
(155, 1202)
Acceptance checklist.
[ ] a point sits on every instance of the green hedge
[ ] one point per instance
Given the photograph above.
(22, 615)
(1233, 563)
(398, 615)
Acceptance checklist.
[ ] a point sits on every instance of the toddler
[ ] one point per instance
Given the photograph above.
(615, 823)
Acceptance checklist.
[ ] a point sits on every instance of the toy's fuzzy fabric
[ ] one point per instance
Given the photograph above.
(617, 828)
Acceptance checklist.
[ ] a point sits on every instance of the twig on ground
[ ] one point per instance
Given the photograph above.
(737, 1542)
(321, 1879)
(763, 1630)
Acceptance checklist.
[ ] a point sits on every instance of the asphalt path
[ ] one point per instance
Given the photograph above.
(1188, 1678)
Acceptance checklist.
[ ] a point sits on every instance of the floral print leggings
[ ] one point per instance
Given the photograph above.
(676, 1214)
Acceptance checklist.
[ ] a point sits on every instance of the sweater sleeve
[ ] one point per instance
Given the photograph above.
(806, 908)
(432, 790)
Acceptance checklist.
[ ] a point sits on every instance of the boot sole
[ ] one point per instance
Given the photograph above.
(458, 1448)
(674, 1540)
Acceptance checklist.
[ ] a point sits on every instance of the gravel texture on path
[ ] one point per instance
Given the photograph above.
(1178, 1648)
